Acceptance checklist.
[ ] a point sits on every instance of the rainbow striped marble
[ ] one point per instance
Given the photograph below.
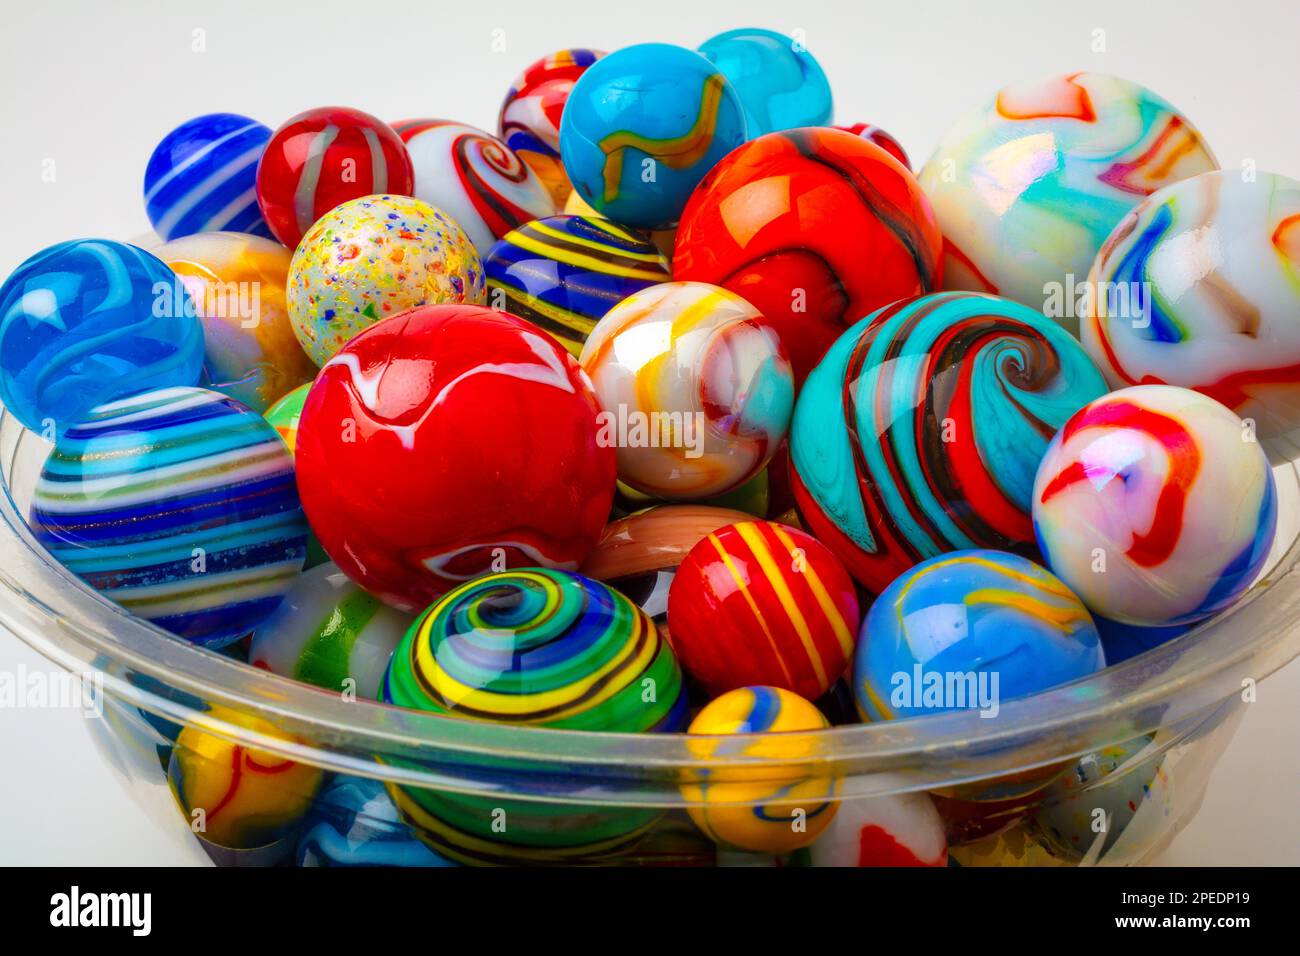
(563, 273)
(542, 648)
(179, 505)
(642, 126)
(1029, 185)
(529, 122)
(968, 630)
(1199, 286)
(237, 283)
(373, 257)
(474, 177)
(759, 603)
(87, 321)
(331, 633)
(920, 430)
(202, 177)
(778, 806)
(696, 388)
(1168, 493)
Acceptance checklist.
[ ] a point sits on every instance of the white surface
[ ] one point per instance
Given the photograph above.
(92, 87)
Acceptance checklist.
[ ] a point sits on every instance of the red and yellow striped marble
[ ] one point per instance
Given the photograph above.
(761, 603)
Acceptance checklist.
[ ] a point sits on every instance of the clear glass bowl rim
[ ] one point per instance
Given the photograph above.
(1176, 683)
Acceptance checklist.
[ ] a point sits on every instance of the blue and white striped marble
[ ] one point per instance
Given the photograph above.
(180, 505)
(202, 177)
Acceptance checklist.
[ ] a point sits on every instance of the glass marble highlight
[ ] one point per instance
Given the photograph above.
(202, 177)
(921, 429)
(237, 283)
(371, 258)
(323, 157)
(329, 632)
(486, 434)
(1028, 186)
(969, 630)
(785, 789)
(88, 321)
(529, 122)
(758, 603)
(473, 177)
(1170, 490)
(815, 227)
(179, 505)
(780, 83)
(695, 387)
(874, 134)
(641, 128)
(1199, 286)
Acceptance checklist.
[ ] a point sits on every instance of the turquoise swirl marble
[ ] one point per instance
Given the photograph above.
(922, 428)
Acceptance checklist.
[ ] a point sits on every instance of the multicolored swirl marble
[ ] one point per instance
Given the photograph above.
(202, 177)
(371, 258)
(758, 603)
(237, 283)
(969, 630)
(1156, 504)
(642, 126)
(766, 794)
(780, 84)
(920, 430)
(1029, 185)
(323, 157)
(542, 648)
(695, 387)
(1199, 286)
(815, 227)
(87, 321)
(473, 177)
(180, 505)
(529, 122)
(563, 273)
(285, 414)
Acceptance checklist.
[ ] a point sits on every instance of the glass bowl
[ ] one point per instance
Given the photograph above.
(1102, 770)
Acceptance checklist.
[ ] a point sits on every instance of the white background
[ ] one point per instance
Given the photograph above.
(94, 86)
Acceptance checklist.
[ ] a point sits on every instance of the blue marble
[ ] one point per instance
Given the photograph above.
(778, 81)
(202, 177)
(969, 630)
(354, 823)
(88, 321)
(642, 127)
(180, 505)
